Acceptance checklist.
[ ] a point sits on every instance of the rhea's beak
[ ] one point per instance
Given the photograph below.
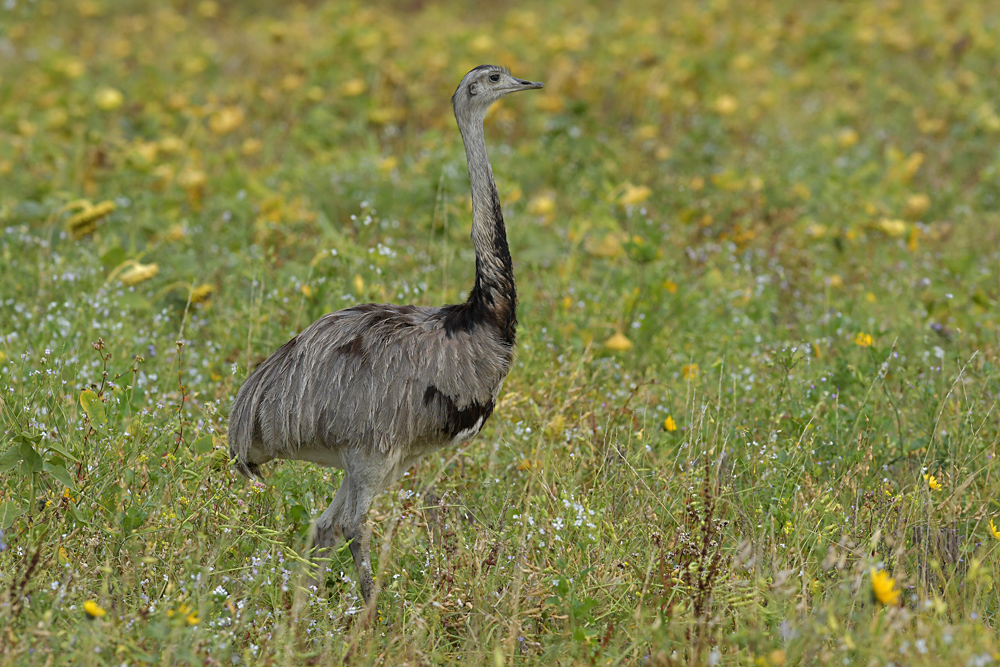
(528, 85)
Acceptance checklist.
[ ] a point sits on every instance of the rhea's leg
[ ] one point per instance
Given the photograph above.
(356, 530)
(328, 531)
(370, 474)
(361, 540)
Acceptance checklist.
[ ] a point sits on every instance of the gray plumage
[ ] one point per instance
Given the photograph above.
(373, 388)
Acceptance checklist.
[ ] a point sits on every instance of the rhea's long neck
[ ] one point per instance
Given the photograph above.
(493, 300)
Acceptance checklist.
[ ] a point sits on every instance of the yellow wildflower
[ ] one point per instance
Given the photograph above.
(884, 588)
(388, 163)
(743, 62)
(171, 144)
(891, 227)
(208, 9)
(481, 43)
(139, 273)
(543, 205)
(192, 618)
(175, 233)
(164, 174)
(913, 164)
(89, 8)
(192, 179)
(225, 120)
(647, 132)
(183, 610)
(108, 99)
(726, 104)
(670, 286)
(251, 146)
(201, 293)
(292, 82)
(618, 343)
(863, 340)
(669, 424)
(917, 204)
(690, 371)
(93, 609)
(932, 482)
(608, 246)
(353, 88)
(993, 530)
(928, 125)
(527, 464)
(72, 67)
(817, 230)
(85, 222)
(635, 194)
(56, 118)
(194, 64)
(847, 138)
(802, 191)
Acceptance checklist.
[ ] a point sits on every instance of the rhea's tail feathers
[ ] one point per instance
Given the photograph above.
(240, 434)
(245, 468)
(239, 459)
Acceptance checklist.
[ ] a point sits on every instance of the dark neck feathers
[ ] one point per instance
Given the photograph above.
(493, 299)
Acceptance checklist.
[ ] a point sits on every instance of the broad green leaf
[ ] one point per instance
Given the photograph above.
(132, 519)
(113, 257)
(79, 514)
(59, 449)
(93, 406)
(9, 459)
(64, 477)
(30, 460)
(203, 444)
(8, 512)
(33, 439)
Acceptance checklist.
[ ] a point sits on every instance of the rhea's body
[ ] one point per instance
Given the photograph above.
(373, 388)
(339, 389)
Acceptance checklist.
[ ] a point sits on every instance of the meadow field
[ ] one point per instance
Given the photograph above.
(753, 417)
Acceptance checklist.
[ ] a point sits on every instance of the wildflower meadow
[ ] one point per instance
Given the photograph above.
(753, 416)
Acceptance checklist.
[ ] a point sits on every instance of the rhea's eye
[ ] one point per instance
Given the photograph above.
(494, 77)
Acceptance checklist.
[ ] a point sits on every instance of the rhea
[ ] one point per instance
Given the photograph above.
(373, 388)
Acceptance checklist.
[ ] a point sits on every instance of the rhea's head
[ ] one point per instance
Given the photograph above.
(483, 86)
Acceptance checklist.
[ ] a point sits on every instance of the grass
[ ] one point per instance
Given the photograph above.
(756, 247)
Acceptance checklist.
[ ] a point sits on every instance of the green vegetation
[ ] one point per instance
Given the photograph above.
(753, 419)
